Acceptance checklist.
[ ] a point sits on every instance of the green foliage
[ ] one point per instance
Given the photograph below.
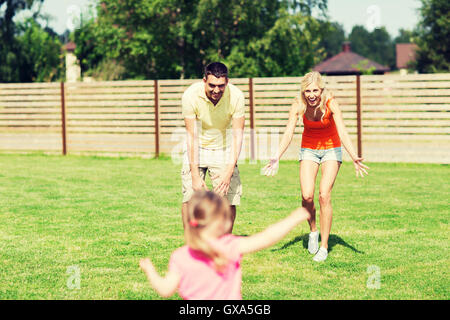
(360, 40)
(11, 56)
(28, 52)
(11, 8)
(433, 37)
(10, 60)
(405, 36)
(307, 6)
(175, 38)
(362, 67)
(87, 50)
(333, 38)
(376, 45)
(289, 48)
(107, 70)
(43, 58)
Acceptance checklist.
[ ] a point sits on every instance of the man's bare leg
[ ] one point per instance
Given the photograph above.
(184, 208)
(233, 217)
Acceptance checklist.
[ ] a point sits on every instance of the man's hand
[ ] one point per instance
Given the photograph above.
(224, 181)
(198, 183)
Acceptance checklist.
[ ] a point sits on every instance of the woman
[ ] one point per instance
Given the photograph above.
(324, 131)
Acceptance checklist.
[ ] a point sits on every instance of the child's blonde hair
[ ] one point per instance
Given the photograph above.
(308, 79)
(204, 208)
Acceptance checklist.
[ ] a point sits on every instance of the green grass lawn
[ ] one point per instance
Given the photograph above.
(101, 215)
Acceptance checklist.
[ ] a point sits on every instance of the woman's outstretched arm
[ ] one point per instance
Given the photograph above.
(345, 139)
(271, 168)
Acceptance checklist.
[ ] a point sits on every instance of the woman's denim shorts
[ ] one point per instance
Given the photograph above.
(320, 156)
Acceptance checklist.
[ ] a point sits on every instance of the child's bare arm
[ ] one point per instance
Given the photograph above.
(166, 286)
(274, 233)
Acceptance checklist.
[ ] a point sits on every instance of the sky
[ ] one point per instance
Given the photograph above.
(393, 14)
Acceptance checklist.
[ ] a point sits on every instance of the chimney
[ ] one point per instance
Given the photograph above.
(346, 46)
(73, 70)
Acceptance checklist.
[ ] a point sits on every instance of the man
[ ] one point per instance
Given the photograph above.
(210, 108)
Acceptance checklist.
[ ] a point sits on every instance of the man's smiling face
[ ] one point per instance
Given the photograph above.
(215, 87)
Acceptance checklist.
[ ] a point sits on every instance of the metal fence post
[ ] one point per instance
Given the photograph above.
(358, 113)
(156, 90)
(252, 119)
(63, 119)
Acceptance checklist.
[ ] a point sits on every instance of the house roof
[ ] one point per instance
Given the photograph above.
(405, 52)
(346, 62)
(70, 46)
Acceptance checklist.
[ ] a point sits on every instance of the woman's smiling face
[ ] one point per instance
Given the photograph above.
(312, 94)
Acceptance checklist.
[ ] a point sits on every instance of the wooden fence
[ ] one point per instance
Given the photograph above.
(390, 118)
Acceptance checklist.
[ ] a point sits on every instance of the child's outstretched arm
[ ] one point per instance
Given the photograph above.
(166, 286)
(274, 233)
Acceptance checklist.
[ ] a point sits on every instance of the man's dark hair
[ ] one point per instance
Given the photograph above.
(217, 69)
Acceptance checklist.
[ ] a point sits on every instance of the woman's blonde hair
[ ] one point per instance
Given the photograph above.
(308, 79)
(204, 208)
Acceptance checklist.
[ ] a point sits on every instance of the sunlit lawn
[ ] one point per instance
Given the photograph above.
(101, 215)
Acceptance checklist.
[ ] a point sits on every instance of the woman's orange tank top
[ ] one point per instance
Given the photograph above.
(321, 134)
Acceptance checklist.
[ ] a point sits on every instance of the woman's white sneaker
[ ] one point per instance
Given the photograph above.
(321, 255)
(313, 242)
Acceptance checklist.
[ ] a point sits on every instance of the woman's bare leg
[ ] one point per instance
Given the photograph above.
(330, 170)
(308, 174)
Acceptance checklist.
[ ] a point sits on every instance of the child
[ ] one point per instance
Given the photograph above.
(208, 267)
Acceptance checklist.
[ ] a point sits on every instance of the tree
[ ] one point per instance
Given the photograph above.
(145, 36)
(405, 36)
(334, 37)
(432, 37)
(176, 38)
(12, 7)
(10, 54)
(382, 48)
(28, 52)
(289, 48)
(376, 45)
(360, 41)
(231, 32)
(307, 6)
(42, 58)
(88, 50)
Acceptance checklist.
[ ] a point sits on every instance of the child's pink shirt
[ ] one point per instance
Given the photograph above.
(199, 279)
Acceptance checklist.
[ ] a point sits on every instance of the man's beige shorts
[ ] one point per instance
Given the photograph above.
(213, 168)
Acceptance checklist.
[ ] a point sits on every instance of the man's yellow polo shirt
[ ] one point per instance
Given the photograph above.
(215, 119)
